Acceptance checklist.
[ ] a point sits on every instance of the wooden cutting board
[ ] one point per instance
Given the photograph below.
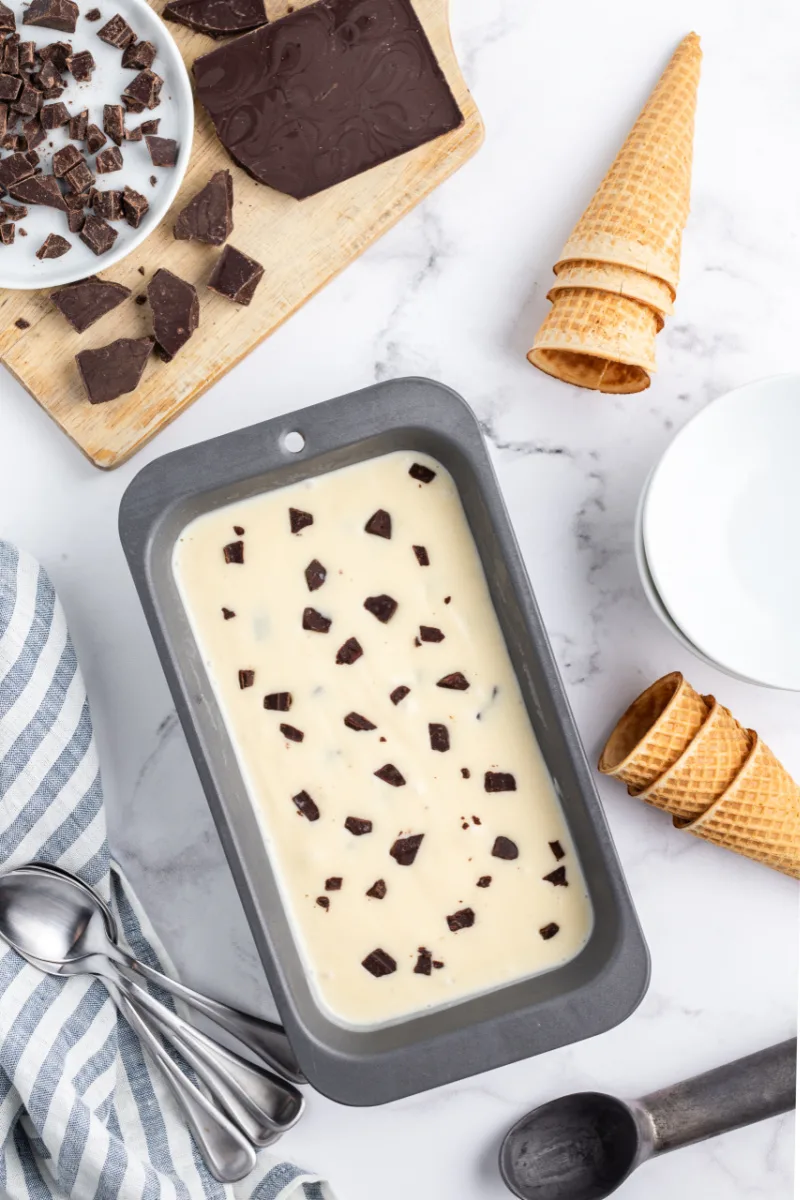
(301, 245)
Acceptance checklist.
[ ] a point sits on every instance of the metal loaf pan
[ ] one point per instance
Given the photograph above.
(607, 980)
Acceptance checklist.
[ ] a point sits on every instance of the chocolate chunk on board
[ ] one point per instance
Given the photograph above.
(422, 556)
(358, 826)
(499, 781)
(95, 138)
(429, 633)
(113, 370)
(163, 151)
(439, 736)
(285, 98)
(108, 160)
(484, 881)
(558, 850)
(13, 169)
(379, 963)
(52, 14)
(334, 884)
(504, 848)
(355, 721)
(315, 575)
(10, 87)
(348, 652)
(246, 679)
(390, 774)
(421, 474)
(234, 553)
(382, 607)
(81, 65)
(208, 217)
(558, 878)
(144, 89)
(455, 682)
(424, 961)
(53, 246)
(217, 18)
(278, 701)
(85, 302)
(314, 621)
(107, 205)
(463, 919)
(399, 693)
(549, 931)
(380, 524)
(139, 56)
(305, 805)
(135, 206)
(405, 850)
(98, 235)
(64, 160)
(39, 189)
(299, 520)
(235, 276)
(117, 32)
(176, 312)
(378, 890)
(114, 122)
(292, 733)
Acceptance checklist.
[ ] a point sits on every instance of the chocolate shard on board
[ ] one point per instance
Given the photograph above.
(355, 721)
(405, 850)
(292, 733)
(424, 960)
(278, 701)
(334, 884)
(484, 881)
(208, 217)
(108, 160)
(379, 963)
(39, 189)
(299, 520)
(455, 682)
(85, 302)
(113, 370)
(440, 737)
(422, 556)
(10, 87)
(286, 99)
(306, 806)
(53, 246)
(246, 679)
(390, 774)
(558, 878)
(234, 552)
(135, 206)
(378, 890)
(382, 607)
(117, 32)
(358, 826)
(349, 652)
(98, 235)
(95, 138)
(163, 151)
(499, 781)
(144, 89)
(558, 850)
(315, 622)
(399, 693)
(64, 160)
(504, 848)
(421, 474)
(315, 575)
(217, 18)
(429, 633)
(81, 65)
(235, 276)
(52, 14)
(463, 919)
(549, 931)
(13, 169)
(176, 312)
(324, 901)
(139, 56)
(8, 22)
(107, 205)
(380, 524)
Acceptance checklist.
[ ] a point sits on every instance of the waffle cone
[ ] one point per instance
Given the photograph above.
(758, 815)
(620, 281)
(654, 732)
(637, 215)
(705, 770)
(597, 340)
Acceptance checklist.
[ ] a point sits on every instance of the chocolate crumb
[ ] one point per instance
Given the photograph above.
(299, 520)
(463, 919)
(153, 181)
(558, 878)
(549, 931)
(228, 613)
(504, 848)
(93, 14)
(333, 884)
(429, 633)
(484, 881)
(405, 850)
(323, 902)
(382, 607)
(234, 552)
(558, 850)
(421, 474)
(465, 772)
(499, 781)
(390, 774)
(315, 575)
(278, 701)
(424, 962)
(349, 652)
(378, 890)
(437, 966)
(358, 826)
(447, 599)
(306, 806)
(422, 556)
(465, 824)
(315, 622)
(140, 300)
(476, 820)
(21, 323)
(355, 721)
(380, 523)
(246, 679)
(239, 530)
(379, 963)
(440, 737)
(399, 694)
(294, 735)
(454, 682)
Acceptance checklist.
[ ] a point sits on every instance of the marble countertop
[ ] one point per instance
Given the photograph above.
(456, 292)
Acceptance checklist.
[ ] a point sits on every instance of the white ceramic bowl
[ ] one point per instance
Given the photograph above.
(720, 522)
(19, 267)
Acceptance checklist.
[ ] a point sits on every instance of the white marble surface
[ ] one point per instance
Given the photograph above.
(456, 292)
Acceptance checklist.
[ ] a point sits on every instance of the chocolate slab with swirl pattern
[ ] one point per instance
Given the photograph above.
(325, 93)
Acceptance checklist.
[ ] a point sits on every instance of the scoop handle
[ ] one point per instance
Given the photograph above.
(750, 1089)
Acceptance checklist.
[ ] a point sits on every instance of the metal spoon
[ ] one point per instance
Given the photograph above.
(261, 1104)
(582, 1147)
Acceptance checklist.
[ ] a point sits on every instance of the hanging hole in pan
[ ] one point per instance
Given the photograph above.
(293, 441)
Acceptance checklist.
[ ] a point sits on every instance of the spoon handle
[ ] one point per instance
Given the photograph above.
(227, 1154)
(261, 1104)
(263, 1038)
(740, 1093)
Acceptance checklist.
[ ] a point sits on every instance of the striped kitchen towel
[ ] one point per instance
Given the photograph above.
(83, 1113)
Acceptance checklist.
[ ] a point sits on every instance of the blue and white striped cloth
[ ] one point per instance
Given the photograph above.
(82, 1112)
